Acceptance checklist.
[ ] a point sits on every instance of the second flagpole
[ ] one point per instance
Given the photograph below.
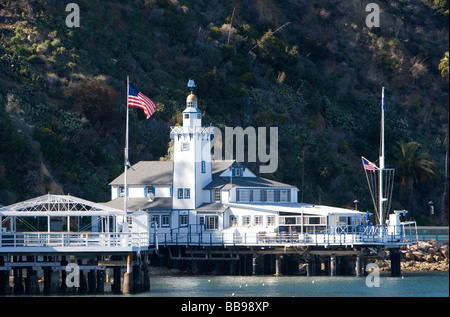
(125, 207)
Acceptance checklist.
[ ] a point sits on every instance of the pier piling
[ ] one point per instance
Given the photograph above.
(395, 263)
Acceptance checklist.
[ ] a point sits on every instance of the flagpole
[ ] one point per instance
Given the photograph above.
(381, 199)
(125, 207)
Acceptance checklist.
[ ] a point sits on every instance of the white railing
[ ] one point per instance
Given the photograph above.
(71, 239)
(333, 236)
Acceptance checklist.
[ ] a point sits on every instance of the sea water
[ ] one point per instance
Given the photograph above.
(434, 284)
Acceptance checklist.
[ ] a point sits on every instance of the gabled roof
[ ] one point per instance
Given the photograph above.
(142, 203)
(160, 173)
(58, 205)
(226, 182)
(147, 173)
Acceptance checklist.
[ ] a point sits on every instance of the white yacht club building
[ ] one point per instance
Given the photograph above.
(193, 200)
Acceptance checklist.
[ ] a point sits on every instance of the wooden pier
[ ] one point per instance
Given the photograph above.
(272, 261)
(72, 274)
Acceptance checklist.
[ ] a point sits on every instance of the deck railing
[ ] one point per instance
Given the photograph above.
(348, 235)
(72, 239)
(315, 239)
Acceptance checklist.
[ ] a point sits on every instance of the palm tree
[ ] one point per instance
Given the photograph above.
(413, 166)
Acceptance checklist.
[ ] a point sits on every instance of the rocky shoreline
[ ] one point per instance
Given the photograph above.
(426, 256)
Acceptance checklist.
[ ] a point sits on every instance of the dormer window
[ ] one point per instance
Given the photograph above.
(237, 172)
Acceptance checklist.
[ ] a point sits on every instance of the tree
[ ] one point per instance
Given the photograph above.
(443, 65)
(413, 166)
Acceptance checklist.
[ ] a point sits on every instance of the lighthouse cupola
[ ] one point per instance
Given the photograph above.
(192, 116)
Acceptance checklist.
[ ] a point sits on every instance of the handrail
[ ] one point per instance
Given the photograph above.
(74, 239)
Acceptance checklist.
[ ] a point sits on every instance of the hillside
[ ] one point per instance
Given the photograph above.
(318, 79)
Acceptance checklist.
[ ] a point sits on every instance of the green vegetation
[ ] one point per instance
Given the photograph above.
(318, 79)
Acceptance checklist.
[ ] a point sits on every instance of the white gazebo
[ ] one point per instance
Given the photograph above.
(66, 223)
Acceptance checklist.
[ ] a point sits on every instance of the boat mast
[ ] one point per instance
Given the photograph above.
(381, 199)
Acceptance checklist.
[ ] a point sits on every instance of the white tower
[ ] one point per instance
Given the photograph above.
(191, 156)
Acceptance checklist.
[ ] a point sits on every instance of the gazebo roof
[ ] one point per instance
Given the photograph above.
(58, 205)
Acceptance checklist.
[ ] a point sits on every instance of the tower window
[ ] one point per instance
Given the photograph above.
(203, 167)
(184, 146)
(187, 193)
(180, 193)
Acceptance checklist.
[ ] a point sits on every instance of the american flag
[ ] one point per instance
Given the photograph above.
(382, 100)
(368, 165)
(139, 100)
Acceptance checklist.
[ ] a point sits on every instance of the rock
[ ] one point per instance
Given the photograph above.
(444, 251)
(423, 246)
(409, 256)
(429, 258)
(431, 251)
(418, 255)
(438, 257)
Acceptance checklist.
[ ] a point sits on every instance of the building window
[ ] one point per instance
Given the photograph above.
(184, 146)
(155, 221)
(258, 220)
(216, 194)
(186, 115)
(244, 195)
(270, 195)
(203, 167)
(199, 115)
(149, 190)
(187, 193)
(314, 220)
(270, 221)
(284, 196)
(256, 195)
(233, 221)
(180, 193)
(122, 192)
(183, 221)
(165, 221)
(212, 223)
(246, 220)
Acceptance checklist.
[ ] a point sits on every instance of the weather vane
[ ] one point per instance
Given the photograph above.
(191, 84)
